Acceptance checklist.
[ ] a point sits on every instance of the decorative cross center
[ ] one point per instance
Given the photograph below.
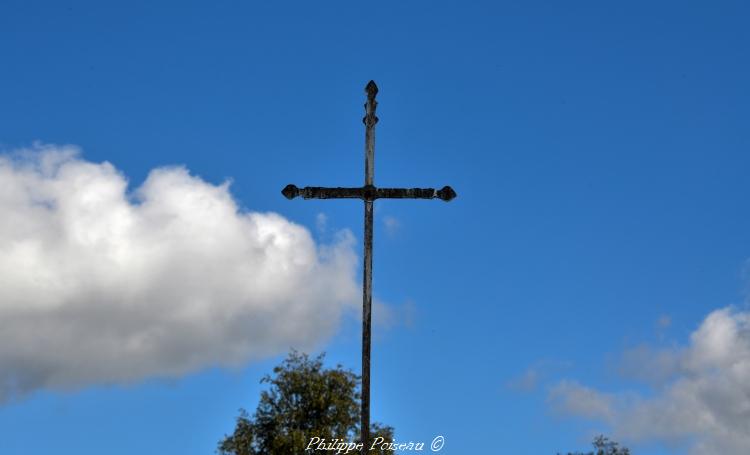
(368, 193)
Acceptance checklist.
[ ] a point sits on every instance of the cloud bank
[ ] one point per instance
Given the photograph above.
(100, 285)
(699, 394)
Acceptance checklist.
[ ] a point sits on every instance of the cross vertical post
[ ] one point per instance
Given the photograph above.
(369, 120)
(368, 193)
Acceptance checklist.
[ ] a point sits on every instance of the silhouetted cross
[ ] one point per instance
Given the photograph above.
(368, 193)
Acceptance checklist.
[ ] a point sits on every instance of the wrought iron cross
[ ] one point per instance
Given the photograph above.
(368, 193)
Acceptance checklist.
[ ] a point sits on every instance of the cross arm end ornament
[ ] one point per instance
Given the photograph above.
(368, 193)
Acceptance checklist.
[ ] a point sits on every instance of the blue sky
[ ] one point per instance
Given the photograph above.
(590, 277)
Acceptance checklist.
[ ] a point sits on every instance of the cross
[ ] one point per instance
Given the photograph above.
(368, 193)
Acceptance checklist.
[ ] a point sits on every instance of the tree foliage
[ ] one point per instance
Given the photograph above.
(603, 446)
(304, 401)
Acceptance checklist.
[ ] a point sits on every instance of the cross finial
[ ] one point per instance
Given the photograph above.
(371, 90)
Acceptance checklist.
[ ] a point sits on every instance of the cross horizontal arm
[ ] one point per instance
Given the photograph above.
(368, 193)
(319, 192)
(446, 193)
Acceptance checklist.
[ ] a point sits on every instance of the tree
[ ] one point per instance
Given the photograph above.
(604, 446)
(305, 401)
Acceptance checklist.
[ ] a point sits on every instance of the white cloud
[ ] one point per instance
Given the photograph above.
(98, 285)
(321, 222)
(391, 224)
(526, 382)
(664, 321)
(699, 397)
(573, 398)
(535, 375)
(389, 316)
